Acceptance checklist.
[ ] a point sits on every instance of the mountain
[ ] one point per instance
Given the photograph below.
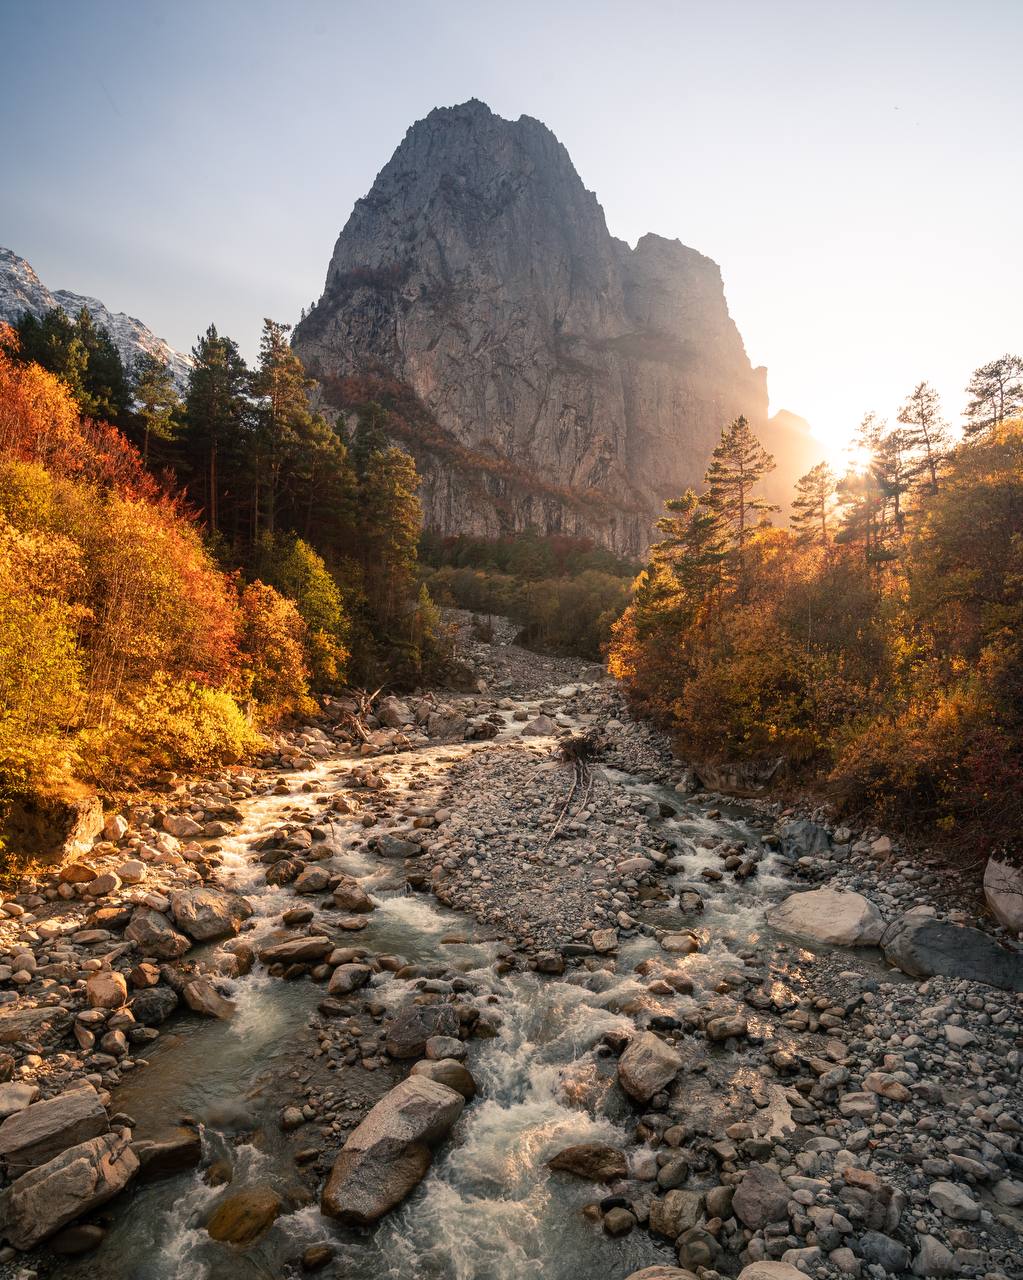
(541, 371)
(21, 290)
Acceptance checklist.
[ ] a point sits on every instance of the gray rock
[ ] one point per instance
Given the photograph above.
(347, 978)
(1003, 889)
(390, 1151)
(830, 916)
(35, 1135)
(802, 838)
(16, 1097)
(882, 1249)
(675, 1212)
(154, 935)
(922, 946)
(207, 914)
(647, 1066)
(953, 1201)
(417, 1023)
(153, 1005)
(761, 1197)
(932, 1258)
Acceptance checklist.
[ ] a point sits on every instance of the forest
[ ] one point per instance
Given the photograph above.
(874, 645)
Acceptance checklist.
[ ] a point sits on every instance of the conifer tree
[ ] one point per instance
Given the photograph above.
(812, 506)
(283, 417)
(216, 419)
(996, 394)
(157, 405)
(738, 464)
(926, 435)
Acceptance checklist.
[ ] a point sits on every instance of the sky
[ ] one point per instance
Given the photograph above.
(855, 168)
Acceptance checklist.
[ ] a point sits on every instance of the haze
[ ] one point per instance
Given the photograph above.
(854, 169)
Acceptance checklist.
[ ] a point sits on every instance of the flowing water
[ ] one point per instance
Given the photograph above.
(489, 1209)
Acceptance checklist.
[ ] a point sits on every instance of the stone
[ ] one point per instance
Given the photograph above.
(306, 950)
(448, 1071)
(83, 1237)
(771, 1271)
(154, 935)
(835, 917)
(115, 828)
(77, 873)
(389, 1153)
(618, 1221)
(102, 885)
(74, 1182)
(932, 1258)
(414, 1024)
(604, 941)
(208, 914)
(181, 826)
(106, 989)
(244, 1215)
(594, 1161)
(28, 1022)
(132, 872)
(393, 713)
(438, 1047)
(922, 947)
(661, 1273)
(1009, 1192)
(1003, 892)
(347, 978)
(803, 838)
(948, 1197)
(875, 1246)
(16, 1096)
(38, 1133)
(761, 1197)
(153, 1005)
(647, 1066)
(349, 895)
(676, 1211)
(201, 996)
(168, 1156)
(542, 726)
(886, 1086)
(726, 1027)
(312, 880)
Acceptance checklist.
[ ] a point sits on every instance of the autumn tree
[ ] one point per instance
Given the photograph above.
(738, 464)
(926, 433)
(996, 394)
(812, 506)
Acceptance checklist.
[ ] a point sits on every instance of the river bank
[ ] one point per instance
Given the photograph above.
(569, 932)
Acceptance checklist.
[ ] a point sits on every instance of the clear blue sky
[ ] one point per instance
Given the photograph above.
(855, 168)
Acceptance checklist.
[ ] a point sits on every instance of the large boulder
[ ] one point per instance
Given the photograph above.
(46, 1198)
(448, 1071)
(29, 1022)
(154, 935)
(202, 996)
(393, 713)
(675, 1212)
(922, 946)
(390, 1151)
(106, 989)
(154, 1005)
(771, 1271)
(52, 828)
(206, 914)
(661, 1273)
(306, 950)
(647, 1066)
(35, 1135)
(761, 1197)
(417, 1023)
(446, 724)
(244, 1215)
(594, 1161)
(802, 838)
(1003, 889)
(829, 915)
(349, 895)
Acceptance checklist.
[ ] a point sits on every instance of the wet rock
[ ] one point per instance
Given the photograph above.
(201, 996)
(803, 838)
(540, 727)
(922, 946)
(154, 1005)
(244, 1216)
(595, 1161)
(675, 1212)
(647, 1066)
(397, 847)
(154, 935)
(297, 950)
(450, 1072)
(81, 1238)
(106, 990)
(77, 1180)
(1003, 890)
(619, 1221)
(312, 880)
(284, 871)
(207, 914)
(726, 1027)
(771, 1271)
(390, 1151)
(347, 978)
(661, 1273)
(950, 1198)
(830, 916)
(317, 1256)
(168, 1157)
(417, 1023)
(35, 1135)
(761, 1197)
(349, 895)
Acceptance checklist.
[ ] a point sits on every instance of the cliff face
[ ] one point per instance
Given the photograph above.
(563, 380)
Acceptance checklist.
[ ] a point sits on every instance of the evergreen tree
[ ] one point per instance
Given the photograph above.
(216, 421)
(54, 343)
(283, 417)
(389, 520)
(157, 405)
(738, 464)
(812, 506)
(996, 394)
(692, 547)
(370, 435)
(926, 434)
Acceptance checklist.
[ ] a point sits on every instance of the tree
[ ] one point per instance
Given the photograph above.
(691, 549)
(390, 519)
(157, 405)
(216, 416)
(872, 498)
(996, 391)
(926, 434)
(283, 418)
(738, 464)
(370, 435)
(812, 506)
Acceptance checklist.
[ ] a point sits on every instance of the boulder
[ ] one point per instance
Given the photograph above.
(29, 1022)
(446, 724)
(742, 778)
(390, 1151)
(306, 950)
(347, 978)
(647, 1066)
(349, 895)
(542, 726)
(206, 914)
(35, 1135)
(448, 1071)
(761, 1197)
(802, 838)
(661, 1273)
(415, 1024)
(771, 1271)
(114, 828)
(203, 997)
(922, 946)
(312, 880)
(244, 1216)
(52, 828)
(153, 1005)
(675, 1212)
(829, 915)
(1003, 889)
(106, 989)
(154, 935)
(594, 1161)
(77, 1180)
(164, 1158)
(181, 826)
(393, 713)
(16, 1096)
(951, 1199)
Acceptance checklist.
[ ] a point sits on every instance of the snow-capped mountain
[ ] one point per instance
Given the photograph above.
(21, 290)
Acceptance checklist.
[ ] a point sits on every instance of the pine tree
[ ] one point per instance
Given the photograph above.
(692, 546)
(389, 523)
(216, 419)
(996, 391)
(281, 387)
(106, 393)
(739, 463)
(812, 506)
(157, 405)
(370, 435)
(926, 434)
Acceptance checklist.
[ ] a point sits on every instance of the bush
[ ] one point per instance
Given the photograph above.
(275, 677)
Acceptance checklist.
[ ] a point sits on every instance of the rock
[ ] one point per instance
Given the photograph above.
(932, 1258)
(742, 777)
(540, 727)
(952, 1199)
(438, 1047)
(29, 1022)
(77, 873)
(619, 1221)
(448, 1071)
(390, 1151)
(40, 1132)
(181, 826)
(52, 828)
(316, 1257)
(115, 828)
(771, 1271)
(207, 914)
(415, 1024)
(132, 872)
(874, 1246)
(153, 1005)
(595, 1161)
(154, 935)
(397, 847)
(831, 916)
(347, 978)
(886, 1086)
(101, 886)
(647, 1066)
(604, 941)
(169, 1156)
(106, 989)
(727, 1027)
(244, 1216)
(74, 1240)
(297, 950)
(202, 997)
(959, 1036)
(349, 895)
(661, 1273)
(1009, 1192)
(804, 839)
(922, 946)
(675, 1212)
(393, 713)
(16, 1097)
(1003, 891)
(312, 880)
(77, 1180)
(761, 1197)
(447, 725)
